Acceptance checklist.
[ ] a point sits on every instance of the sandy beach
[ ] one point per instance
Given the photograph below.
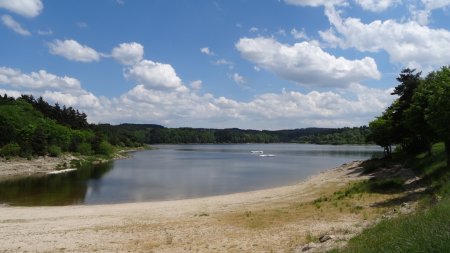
(282, 219)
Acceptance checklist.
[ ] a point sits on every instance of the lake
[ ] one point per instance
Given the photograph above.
(173, 172)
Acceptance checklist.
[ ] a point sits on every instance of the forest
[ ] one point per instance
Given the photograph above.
(31, 127)
(155, 134)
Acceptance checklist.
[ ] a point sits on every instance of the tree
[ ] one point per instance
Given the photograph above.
(403, 133)
(437, 115)
(381, 132)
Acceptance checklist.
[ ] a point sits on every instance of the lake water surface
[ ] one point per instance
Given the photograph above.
(183, 171)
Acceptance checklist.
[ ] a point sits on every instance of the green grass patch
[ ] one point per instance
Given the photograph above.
(426, 231)
(374, 185)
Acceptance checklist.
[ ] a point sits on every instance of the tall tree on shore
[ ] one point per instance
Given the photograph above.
(437, 114)
(404, 134)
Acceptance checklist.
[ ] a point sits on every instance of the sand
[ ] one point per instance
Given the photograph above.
(21, 167)
(282, 219)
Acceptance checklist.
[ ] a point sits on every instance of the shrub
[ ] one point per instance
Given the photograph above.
(104, 148)
(84, 148)
(54, 151)
(10, 149)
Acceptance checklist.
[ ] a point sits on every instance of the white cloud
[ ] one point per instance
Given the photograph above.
(225, 62)
(315, 3)
(306, 63)
(422, 15)
(238, 78)
(409, 43)
(72, 50)
(155, 75)
(27, 8)
(128, 53)
(14, 25)
(281, 32)
(354, 106)
(435, 4)
(253, 29)
(45, 32)
(206, 50)
(299, 34)
(270, 110)
(82, 99)
(62, 89)
(196, 85)
(37, 80)
(376, 5)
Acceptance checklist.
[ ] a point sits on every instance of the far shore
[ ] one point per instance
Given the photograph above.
(19, 167)
(282, 219)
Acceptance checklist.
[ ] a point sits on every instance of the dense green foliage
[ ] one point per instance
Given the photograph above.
(420, 115)
(136, 134)
(27, 131)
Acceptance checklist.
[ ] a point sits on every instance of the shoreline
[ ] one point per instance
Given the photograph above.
(277, 219)
(19, 167)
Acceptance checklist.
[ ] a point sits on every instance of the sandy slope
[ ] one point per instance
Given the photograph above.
(275, 220)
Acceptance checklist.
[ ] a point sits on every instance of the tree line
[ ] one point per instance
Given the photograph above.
(135, 134)
(30, 127)
(419, 117)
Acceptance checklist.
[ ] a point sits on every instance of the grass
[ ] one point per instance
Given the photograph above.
(427, 230)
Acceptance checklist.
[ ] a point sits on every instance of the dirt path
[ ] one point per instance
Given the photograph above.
(274, 220)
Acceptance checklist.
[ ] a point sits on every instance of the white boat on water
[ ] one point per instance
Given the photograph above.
(257, 152)
(267, 155)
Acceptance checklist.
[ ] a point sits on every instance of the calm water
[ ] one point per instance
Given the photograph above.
(183, 171)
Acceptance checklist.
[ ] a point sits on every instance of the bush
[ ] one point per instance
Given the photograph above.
(54, 151)
(84, 148)
(11, 149)
(104, 148)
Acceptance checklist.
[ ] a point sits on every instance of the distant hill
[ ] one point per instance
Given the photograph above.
(157, 134)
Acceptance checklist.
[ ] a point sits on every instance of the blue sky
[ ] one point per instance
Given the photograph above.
(261, 64)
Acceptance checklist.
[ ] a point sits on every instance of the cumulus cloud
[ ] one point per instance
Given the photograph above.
(253, 29)
(306, 63)
(206, 50)
(409, 43)
(270, 110)
(238, 78)
(37, 80)
(82, 99)
(27, 8)
(177, 107)
(128, 53)
(61, 89)
(155, 75)
(9, 22)
(422, 15)
(376, 5)
(72, 50)
(299, 34)
(225, 62)
(196, 85)
(435, 4)
(315, 3)
(45, 32)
